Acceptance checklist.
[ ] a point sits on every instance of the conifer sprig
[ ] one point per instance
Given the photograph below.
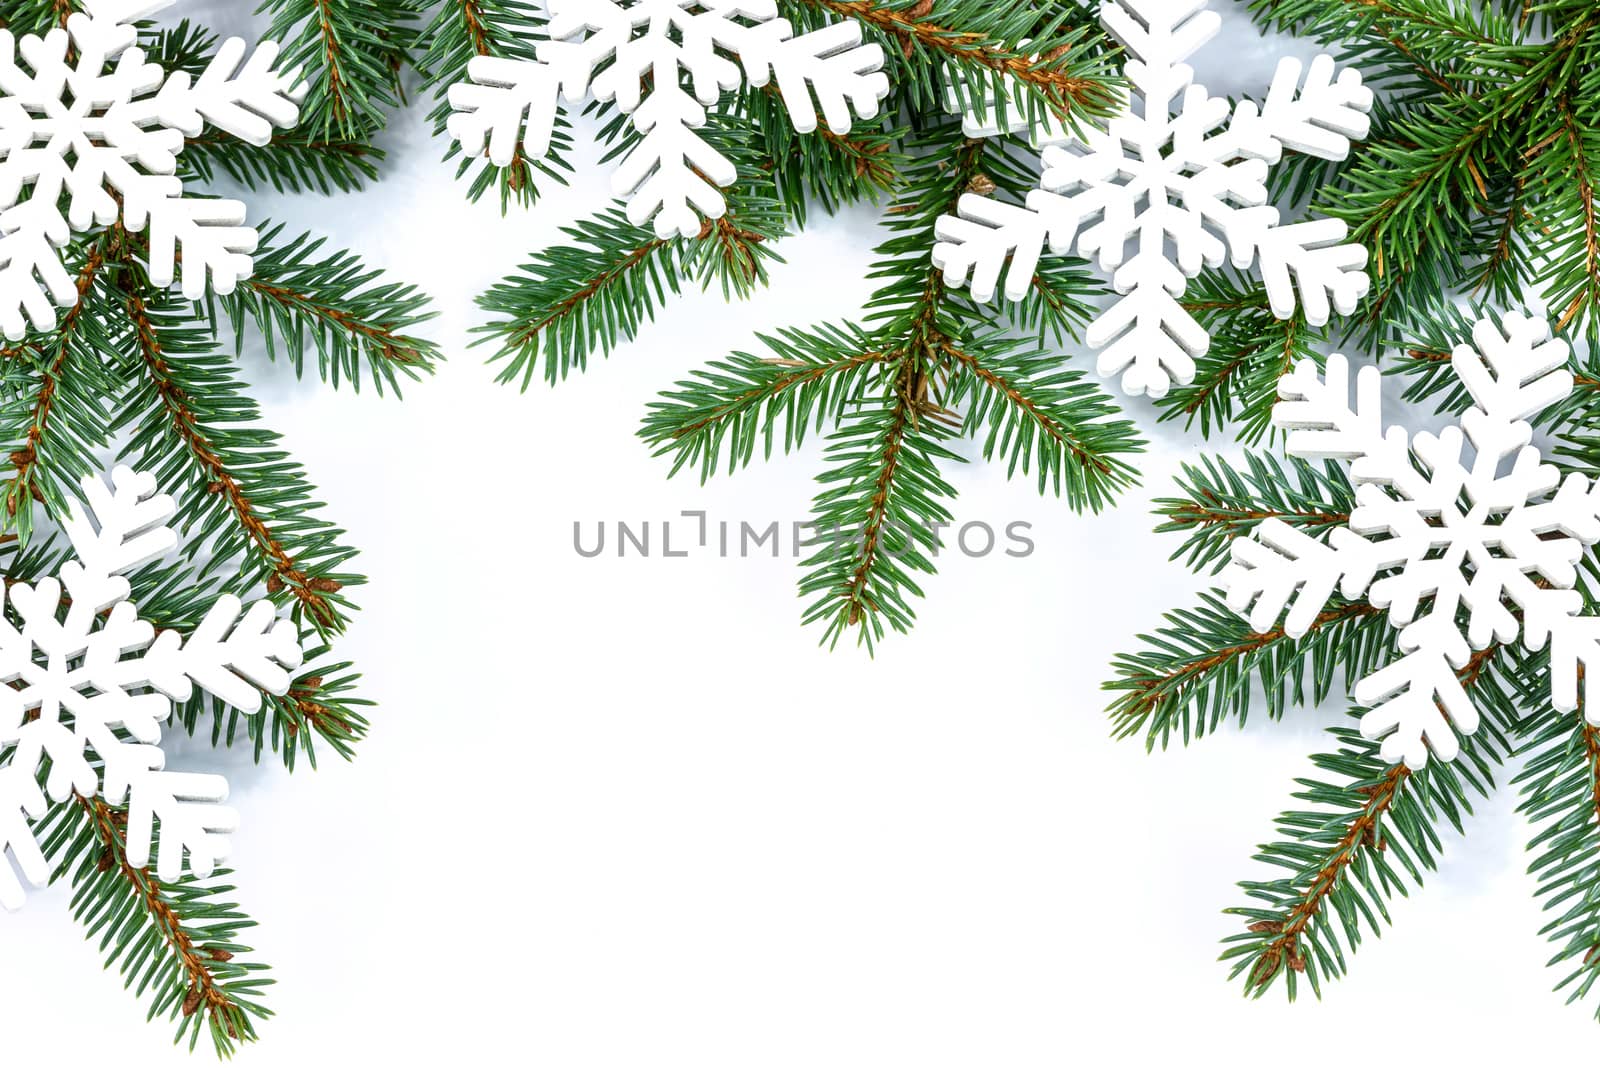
(1370, 830)
(972, 53)
(302, 298)
(940, 56)
(891, 394)
(352, 55)
(877, 519)
(925, 366)
(134, 372)
(241, 499)
(1561, 797)
(461, 31)
(176, 945)
(1481, 171)
(573, 299)
(1363, 830)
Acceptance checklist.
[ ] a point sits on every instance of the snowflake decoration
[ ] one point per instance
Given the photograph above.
(1162, 193)
(72, 689)
(1452, 549)
(99, 128)
(648, 50)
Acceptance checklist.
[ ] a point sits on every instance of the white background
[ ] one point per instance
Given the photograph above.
(624, 812)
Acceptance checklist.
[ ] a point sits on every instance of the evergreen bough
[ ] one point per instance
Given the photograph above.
(139, 374)
(925, 366)
(1480, 178)
(1363, 830)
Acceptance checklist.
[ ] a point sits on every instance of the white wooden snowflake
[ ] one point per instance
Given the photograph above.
(90, 130)
(87, 685)
(1167, 190)
(1461, 553)
(665, 62)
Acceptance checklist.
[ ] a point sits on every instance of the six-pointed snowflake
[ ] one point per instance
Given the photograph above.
(665, 62)
(91, 135)
(1161, 193)
(85, 685)
(1460, 552)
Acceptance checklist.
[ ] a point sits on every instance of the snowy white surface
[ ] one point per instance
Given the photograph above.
(671, 831)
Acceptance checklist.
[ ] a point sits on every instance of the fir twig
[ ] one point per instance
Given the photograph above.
(1342, 853)
(175, 943)
(1561, 796)
(133, 364)
(462, 30)
(1484, 159)
(298, 300)
(924, 365)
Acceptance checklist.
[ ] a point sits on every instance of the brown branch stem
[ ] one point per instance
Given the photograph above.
(110, 828)
(307, 590)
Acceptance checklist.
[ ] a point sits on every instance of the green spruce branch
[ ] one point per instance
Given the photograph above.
(135, 371)
(1481, 171)
(175, 945)
(597, 289)
(240, 497)
(461, 31)
(974, 51)
(567, 302)
(301, 298)
(1370, 830)
(892, 393)
(1560, 786)
(1364, 831)
(352, 54)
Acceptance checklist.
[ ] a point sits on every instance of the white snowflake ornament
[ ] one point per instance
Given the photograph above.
(1172, 186)
(665, 62)
(1460, 552)
(90, 130)
(87, 685)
